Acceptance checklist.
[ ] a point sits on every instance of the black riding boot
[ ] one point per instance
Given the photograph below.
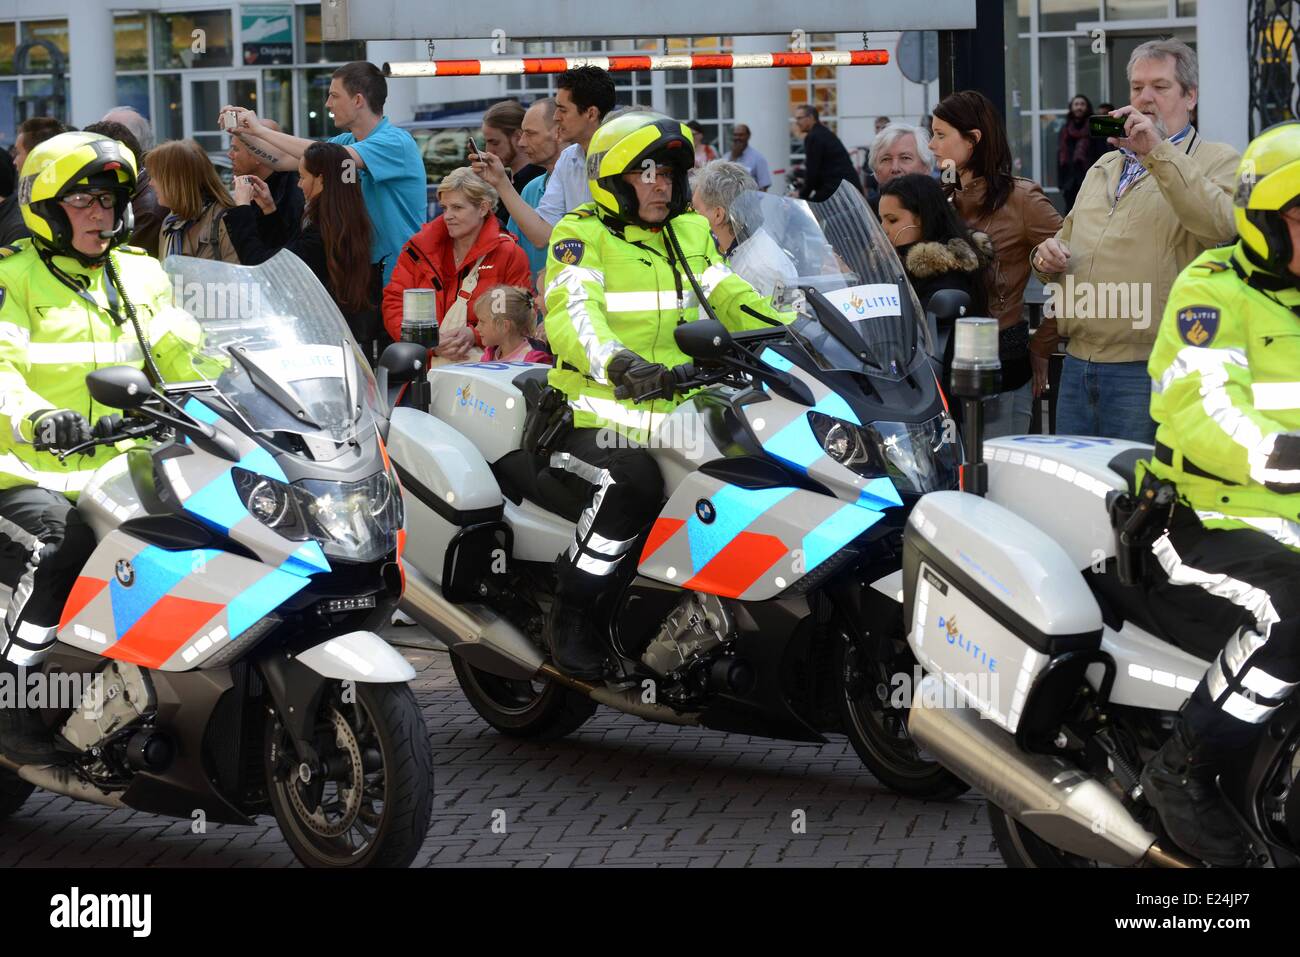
(574, 641)
(24, 738)
(1179, 782)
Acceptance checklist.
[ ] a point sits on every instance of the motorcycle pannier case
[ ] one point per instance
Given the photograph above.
(990, 601)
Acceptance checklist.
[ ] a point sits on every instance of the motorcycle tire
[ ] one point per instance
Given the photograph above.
(13, 792)
(878, 733)
(540, 710)
(1021, 847)
(385, 723)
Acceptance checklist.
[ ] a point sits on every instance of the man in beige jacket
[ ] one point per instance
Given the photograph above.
(1144, 212)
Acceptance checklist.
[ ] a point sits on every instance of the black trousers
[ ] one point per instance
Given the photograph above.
(44, 544)
(1255, 581)
(625, 491)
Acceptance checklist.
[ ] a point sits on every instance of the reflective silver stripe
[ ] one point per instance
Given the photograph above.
(664, 299)
(590, 565)
(1263, 683)
(24, 657)
(12, 332)
(1276, 396)
(611, 410)
(607, 546)
(569, 462)
(20, 535)
(55, 481)
(1241, 707)
(571, 279)
(1254, 600)
(1215, 683)
(1280, 529)
(83, 353)
(1212, 366)
(1238, 650)
(713, 276)
(36, 634)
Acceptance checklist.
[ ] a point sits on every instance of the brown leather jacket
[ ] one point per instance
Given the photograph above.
(1023, 221)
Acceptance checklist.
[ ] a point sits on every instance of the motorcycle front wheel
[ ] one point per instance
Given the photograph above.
(877, 729)
(368, 801)
(522, 708)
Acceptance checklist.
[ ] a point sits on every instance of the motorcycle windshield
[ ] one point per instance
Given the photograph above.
(832, 255)
(276, 346)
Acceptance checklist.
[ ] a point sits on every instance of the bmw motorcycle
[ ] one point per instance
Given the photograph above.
(765, 598)
(1051, 682)
(248, 543)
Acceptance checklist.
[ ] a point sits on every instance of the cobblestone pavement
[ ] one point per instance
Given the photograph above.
(618, 792)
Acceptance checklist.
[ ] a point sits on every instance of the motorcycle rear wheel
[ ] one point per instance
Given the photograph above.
(373, 810)
(878, 731)
(13, 792)
(1021, 847)
(541, 710)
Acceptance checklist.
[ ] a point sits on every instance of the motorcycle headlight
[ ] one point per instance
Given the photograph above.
(271, 502)
(918, 457)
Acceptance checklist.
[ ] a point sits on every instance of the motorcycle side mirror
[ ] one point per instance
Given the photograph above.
(948, 305)
(404, 361)
(703, 339)
(119, 387)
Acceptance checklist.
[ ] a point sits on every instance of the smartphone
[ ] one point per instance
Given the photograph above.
(474, 143)
(1104, 125)
(230, 121)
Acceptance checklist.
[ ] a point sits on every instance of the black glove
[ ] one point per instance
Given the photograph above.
(58, 429)
(107, 425)
(636, 379)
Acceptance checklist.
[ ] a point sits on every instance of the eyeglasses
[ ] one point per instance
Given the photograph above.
(86, 200)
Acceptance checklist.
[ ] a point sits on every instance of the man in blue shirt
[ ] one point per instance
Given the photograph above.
(540, 146)
(753, 161)
(389, 165)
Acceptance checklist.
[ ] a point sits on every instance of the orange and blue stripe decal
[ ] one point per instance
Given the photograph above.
(737, 566)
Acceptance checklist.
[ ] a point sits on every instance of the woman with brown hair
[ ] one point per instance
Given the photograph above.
(970, 144)
(335, 237)
(186, 182)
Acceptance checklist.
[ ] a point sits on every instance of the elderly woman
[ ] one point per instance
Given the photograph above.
(448, 255)
(716, 186)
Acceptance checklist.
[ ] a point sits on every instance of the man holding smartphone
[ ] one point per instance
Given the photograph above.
(1144, 212)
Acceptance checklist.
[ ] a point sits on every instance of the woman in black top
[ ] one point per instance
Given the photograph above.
(937, 249)
(335, 237)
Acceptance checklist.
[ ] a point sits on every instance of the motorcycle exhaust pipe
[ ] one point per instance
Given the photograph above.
(475, 632)
(62, 780)
(1058, 802)
(628, 700)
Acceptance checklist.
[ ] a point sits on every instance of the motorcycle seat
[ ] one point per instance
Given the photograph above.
(531, 384)
(1125, 464)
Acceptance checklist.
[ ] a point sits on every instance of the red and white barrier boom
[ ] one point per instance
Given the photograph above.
(508, 66)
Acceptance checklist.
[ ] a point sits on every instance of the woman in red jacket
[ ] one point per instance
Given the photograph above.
(460, 254)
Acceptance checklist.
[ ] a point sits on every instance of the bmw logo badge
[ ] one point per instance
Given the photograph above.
(124, 572)
(705, 511)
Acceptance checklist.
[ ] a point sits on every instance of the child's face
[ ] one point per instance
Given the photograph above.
(492, 328)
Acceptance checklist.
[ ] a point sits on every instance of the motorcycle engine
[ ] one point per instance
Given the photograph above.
(119, 696)
(695, 627)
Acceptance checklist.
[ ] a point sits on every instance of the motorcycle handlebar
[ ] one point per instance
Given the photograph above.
(140, 431)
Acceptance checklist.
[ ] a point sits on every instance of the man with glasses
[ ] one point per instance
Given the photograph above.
(67, 298)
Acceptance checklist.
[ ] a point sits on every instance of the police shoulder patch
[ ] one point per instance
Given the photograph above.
(569, 251)
(1198, 325)
(1213, 266)
(7, 251)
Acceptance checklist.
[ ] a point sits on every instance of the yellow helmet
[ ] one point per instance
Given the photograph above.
(623, 145)
(1268, 183)
(67, 163)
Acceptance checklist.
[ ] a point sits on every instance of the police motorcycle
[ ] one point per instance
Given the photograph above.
(248, 545)
(1050, 682)
(766, 596)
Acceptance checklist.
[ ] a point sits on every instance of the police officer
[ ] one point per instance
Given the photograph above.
(617, 286)
(73, 299)
(1226, 399)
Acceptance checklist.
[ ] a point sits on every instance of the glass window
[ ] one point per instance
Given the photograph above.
(8, 40)
(1020, 135)
(133, 91)
(194, 39)
(1064, 14)
(131, 41)
(316, 50)
(1051, 133)
(277, 92)
(1054, 73)
(8, 118)
(1187, 8)
(1020, 95)
(1023, 8)
(51, 31)
(169, 124)
(1089, 68)
(313, 87)
(1137, 9)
